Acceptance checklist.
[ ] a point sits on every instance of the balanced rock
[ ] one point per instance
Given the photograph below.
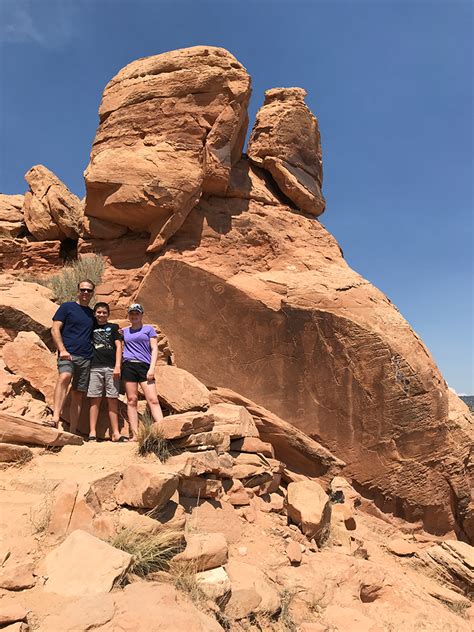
(146, 486)
(51, 210)
(171, 126)
(11, 215)
(309, 507)
(83, 565)
(285, 141)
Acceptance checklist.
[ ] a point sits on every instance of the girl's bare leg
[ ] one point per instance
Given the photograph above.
(149, 390)
(112, 404)
(94, 415)
(131, 390)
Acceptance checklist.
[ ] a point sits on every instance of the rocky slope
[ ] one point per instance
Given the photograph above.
(308, 424)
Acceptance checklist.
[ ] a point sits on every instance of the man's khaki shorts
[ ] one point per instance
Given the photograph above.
(102, 378)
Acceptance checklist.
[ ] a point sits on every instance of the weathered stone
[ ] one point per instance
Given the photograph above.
(51, 210)
(185, 424)
(214, 583)
(191, 464)
(17, 576)
(147, 486)
(9, 613)
(198, 487)
(293, 552)
(285, 141)
(308, 506)
(11, 215)
(252, 592)
(203, 552)
(10, 453)
(347, 516)
(237, 495)
(453, 562)
(179, 390)
(28, 357)
(19, 430)
(253, 444)
(235, 421)
(22, 255)
(26, 307)
(84, 565)
(102, 229)
(171, 126)
(205, 440)
(401, 547)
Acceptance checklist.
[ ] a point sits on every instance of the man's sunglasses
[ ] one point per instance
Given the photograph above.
(85, 289)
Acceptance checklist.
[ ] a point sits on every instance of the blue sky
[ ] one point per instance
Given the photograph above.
(391, 84)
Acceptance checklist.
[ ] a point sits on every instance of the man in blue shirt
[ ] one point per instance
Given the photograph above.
(72, 334)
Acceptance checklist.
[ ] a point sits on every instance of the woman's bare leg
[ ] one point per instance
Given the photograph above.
(131, 389)
(149, 390)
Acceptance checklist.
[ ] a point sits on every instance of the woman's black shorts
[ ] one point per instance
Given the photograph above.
(134, 371)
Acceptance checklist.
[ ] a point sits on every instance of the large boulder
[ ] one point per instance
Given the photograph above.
(284, 321)
(28, 357)
(26, 307)
(51, 210)
(309, 507)
(12, 223)
(285, 141)
(171, 126)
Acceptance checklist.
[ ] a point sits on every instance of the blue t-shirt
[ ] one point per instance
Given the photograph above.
(76, 331)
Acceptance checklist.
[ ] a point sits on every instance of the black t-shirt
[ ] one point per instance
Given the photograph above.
(103, 343)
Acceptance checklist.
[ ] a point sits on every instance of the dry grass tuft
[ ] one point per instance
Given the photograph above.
(151, 439)
(40, 516)
(151, 552)
(64, 284)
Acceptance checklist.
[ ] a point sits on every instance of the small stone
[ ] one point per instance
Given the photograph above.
(401, 547)
(293, 552)
(214, 583)
(17, 577)
(242, 550)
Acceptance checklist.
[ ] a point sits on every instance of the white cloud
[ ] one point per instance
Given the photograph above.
(48, 23)
(456, 393)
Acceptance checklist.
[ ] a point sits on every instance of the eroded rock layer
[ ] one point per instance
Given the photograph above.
(258, 298)
(171, 126)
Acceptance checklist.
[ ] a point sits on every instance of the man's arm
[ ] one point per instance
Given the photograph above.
(58, 340)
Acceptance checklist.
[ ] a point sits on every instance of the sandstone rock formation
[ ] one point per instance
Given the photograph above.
(285, 141)
(51, 210)
(284, 321)
(11, 215)
(171, 127)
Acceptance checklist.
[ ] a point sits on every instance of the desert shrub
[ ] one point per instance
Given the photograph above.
(151, 552)
(64, 284)
(151, 439)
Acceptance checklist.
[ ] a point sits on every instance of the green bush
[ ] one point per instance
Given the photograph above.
(64, 284)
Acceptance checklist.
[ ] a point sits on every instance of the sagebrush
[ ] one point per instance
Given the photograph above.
(64, 284)
(151, 552)
(151, 439)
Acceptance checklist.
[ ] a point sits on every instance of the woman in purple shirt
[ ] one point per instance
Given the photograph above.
(140, 352)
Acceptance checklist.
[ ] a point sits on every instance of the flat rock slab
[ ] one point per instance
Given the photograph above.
(19, 430)
(184, 424)
(83, 565)
(17, 576)
(11, 613)
(233, 420)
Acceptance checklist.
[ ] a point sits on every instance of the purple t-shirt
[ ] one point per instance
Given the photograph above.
(137, 343)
